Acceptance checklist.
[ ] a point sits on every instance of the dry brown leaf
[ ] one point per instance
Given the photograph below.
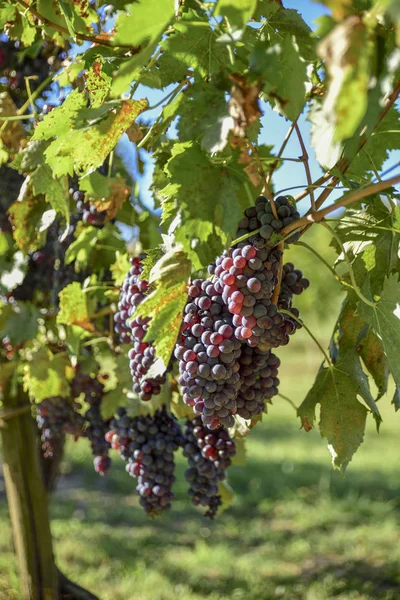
(111, 205)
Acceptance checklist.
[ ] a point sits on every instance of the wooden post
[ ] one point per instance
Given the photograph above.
(27, 501)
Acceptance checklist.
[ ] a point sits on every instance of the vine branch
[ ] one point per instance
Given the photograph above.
(315, 217)
(95, 39)
(304, 159)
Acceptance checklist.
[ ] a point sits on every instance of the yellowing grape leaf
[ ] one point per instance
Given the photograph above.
(73, 307)
(166, 302)
(45, 375)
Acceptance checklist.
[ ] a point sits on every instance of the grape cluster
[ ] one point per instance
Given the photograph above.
(260, 218)
(148, 444)
(55, 417)
(85, 211)
(208, 355)
(141, 354)
(232, 321)
(209, 454)
(259, 382)
(246, 278)
(293, 283)
(96, 427)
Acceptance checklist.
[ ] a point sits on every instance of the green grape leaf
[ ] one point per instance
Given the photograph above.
(143, 21)
(239, 460)
(120, 268)
(372, 236)
(226, 494)
(164, 305)
(194, 44)
(19, 322)
(342, 416)
(288, 20)
(30, 157)
(68, 15)
(54, 190)
(347, 54)
(198, 123)
(98, 82)
(384, 318)
(82, 247)
(117, 397)
(327, 151)
(7, 13)
(79, 145)
(108, 366)
(284, 73)
(209, 198)
(384, 138)
(45, 375)
(96, 185)
(144, 26)
(237, 12)
(396, 398)
(354, 333)
(148, 262)
(73, 307)
(27, 215)
(80, 15)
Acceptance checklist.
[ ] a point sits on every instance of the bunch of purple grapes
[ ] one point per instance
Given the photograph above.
(209, 455)
(293, 283)
(148, 444)
(87, 212)
(56, 417)
(261, 220)
(259, 381)
(96, 428)
(141, 354)
(208, 354)
(231, 322)
(246, 278)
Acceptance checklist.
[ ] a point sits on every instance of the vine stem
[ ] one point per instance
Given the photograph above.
(312, 336)
(150, 64)
(280, 151)
(95, 39)
(359, 194)
(351, 272)
(170, 96)
(275, 297)
(296, 408)
(321, 258)
(304, 158)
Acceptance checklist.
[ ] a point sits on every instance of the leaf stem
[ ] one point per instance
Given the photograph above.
(296, 408)
(306, 164)
(150, 64)
(312, 336)
(350, 266)
(322, 259)
(280, 151)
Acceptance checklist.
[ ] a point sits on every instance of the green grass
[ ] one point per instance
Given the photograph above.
(297, 530)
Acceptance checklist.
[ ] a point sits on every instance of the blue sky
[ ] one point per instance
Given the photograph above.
(273, 131)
